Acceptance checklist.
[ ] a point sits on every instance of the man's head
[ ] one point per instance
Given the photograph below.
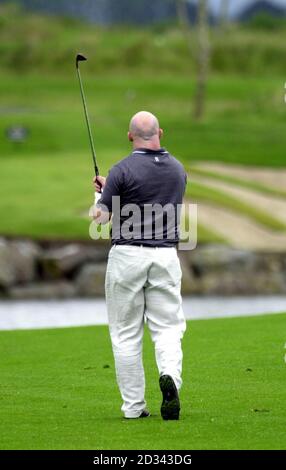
(144, 130)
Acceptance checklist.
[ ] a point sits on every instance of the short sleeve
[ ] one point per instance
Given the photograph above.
(112, 187)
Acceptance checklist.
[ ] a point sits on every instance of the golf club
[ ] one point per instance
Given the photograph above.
(81, 58)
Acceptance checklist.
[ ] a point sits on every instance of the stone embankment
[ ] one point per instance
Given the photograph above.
(46, 270)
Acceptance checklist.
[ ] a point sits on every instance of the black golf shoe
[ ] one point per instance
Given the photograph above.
(144, 414)
(170, 408)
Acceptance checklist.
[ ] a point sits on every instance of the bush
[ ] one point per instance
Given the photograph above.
(266, 22)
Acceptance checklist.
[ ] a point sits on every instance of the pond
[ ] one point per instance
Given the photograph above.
(81, 312)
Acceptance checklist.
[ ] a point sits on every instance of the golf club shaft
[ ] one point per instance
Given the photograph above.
(88, 124)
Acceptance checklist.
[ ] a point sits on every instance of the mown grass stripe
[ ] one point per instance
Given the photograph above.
(249, 184)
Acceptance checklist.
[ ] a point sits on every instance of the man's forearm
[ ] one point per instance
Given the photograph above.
(100, 216)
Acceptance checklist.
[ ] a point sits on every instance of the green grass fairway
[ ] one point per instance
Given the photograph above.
(46, 182)
(58, 390)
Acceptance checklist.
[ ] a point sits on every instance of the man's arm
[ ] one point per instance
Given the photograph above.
(109, 187)
(99, 216)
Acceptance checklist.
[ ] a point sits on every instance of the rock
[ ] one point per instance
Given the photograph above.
(79, 269)
(91, 279)
(188, 280)
(283, 261)
(18, 262)
(221, 270)
(240, 283)
(59, 262)
(7, 269)
(43, 291)
(220, 258)
(271, 263)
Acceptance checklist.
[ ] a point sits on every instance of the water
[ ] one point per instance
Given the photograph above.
(78, 312)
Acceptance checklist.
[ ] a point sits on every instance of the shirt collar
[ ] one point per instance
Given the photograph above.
(145, 151)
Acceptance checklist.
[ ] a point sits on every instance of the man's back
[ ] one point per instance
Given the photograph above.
(154, 181)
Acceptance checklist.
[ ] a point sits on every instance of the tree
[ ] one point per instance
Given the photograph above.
(182, 14)
(199, 48)
(202, 59)
(224, 9)
(182, 11)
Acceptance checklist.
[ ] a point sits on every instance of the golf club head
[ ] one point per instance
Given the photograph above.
(80, 58)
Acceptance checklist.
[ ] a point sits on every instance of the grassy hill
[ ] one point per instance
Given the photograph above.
(37, 42)
(46, 186)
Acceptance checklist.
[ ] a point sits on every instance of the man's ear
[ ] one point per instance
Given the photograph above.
(161, 133)
(130, 137)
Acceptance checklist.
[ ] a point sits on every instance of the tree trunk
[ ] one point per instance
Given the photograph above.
(224, 9)
(202, 59)
(182, 14)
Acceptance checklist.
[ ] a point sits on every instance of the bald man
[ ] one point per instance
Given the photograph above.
(143, 280)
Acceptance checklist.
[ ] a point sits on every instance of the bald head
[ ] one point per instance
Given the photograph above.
(144, 126)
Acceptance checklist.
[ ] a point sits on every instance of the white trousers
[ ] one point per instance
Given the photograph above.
(144, 284)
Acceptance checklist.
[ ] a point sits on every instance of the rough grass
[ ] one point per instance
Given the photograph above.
(47, 43)
(58, 390)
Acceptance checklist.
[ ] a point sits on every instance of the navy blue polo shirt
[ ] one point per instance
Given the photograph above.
(144, 192)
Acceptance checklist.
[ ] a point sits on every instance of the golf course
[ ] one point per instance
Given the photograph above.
(46, 181)
(233, 394)
(58, 386)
